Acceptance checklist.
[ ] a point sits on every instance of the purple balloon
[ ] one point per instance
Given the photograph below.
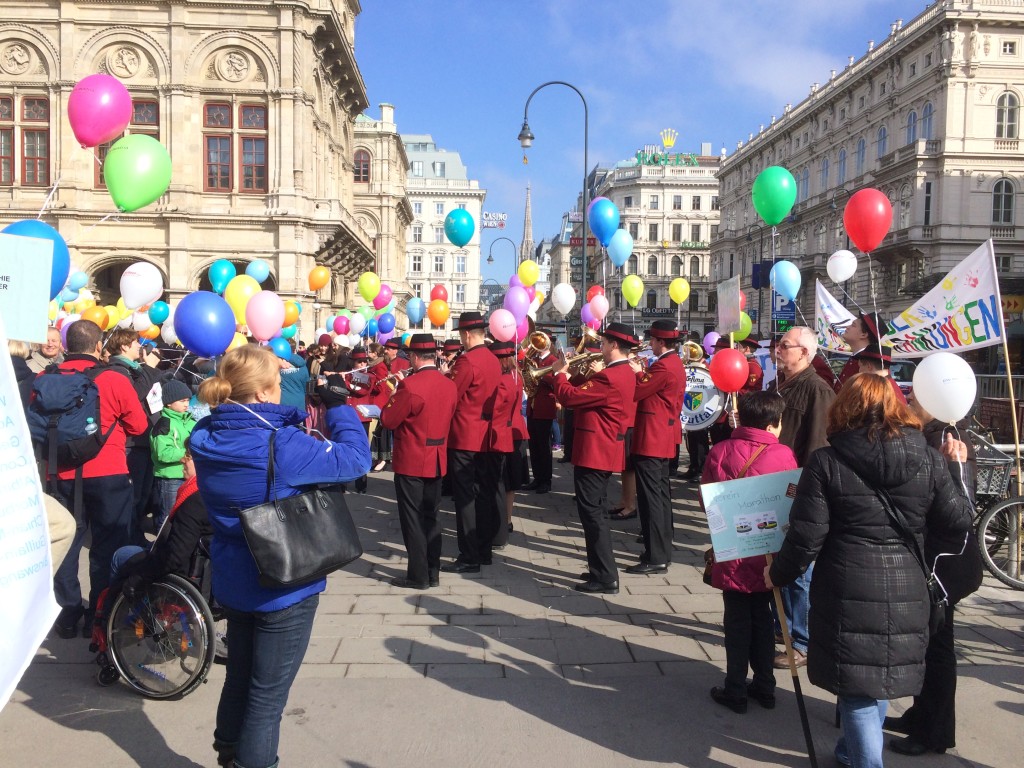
(710, 339)
(586, 316)
(382, 338)
(515, 282)
(517, 301)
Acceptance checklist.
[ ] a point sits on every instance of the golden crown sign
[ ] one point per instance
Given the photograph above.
(668, 138)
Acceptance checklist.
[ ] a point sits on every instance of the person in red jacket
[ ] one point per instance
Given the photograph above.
(864, 330)
(753, 449)
(475, 471)
(420, 412)
(874, 359)
(106, 485)
(360, 382)
(509, 431)
(541, 410)
(657, 434)
(603, 405)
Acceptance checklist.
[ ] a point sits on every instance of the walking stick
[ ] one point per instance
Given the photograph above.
(796, 676)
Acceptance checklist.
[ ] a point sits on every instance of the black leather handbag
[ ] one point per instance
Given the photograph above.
(299, 539)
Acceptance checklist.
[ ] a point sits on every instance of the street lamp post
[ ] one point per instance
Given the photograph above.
(760, 277)
(515, 250)
(526, 141)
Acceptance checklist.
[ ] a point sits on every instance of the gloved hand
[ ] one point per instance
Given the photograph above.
(334, 392)
(133, 587)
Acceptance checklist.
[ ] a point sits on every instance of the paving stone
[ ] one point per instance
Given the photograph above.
(442, 652)
(591, 650)
(387, 604)
(391, 650)
(450, 671)
(386, 670)
(590, 672)
(662, 648)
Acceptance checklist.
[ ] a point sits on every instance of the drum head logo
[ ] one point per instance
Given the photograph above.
(703, 402)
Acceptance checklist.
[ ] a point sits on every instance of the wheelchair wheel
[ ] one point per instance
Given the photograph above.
(162, 641)
(1000, 540)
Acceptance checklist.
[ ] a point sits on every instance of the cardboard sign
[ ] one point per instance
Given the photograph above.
(749, 516)
(729, 305)
(25, 266)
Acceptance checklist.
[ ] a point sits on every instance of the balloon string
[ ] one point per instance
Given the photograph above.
(874, 304)
(858, 306)
(87, 229)
(819, 351)
(49, 197)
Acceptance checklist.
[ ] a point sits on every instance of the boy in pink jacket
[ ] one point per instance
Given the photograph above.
(753, 449)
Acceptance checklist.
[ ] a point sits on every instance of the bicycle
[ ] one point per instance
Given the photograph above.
(1000, 517)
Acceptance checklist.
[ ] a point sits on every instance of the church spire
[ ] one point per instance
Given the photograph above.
(526, 247)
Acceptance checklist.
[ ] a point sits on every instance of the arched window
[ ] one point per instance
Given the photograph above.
(861, 155)
(905, 202)
(694, 302)
(632, 265)
(926, 121)
(694, 267)
(841, 167)
(1006, 116)
(616, 300)
(805, 184)
(677, 267)
(824, 173)
(712, 301)
(652, 265)
(361, 162)
(883, 141)
(652, 299)
(911, 127)
(1002, 202)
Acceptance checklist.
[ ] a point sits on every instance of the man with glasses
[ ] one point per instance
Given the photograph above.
(808, 398)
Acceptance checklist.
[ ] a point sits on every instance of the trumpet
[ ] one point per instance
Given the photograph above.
(589, 336)
(574, 365)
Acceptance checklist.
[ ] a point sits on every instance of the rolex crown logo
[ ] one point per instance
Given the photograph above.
(668, 138)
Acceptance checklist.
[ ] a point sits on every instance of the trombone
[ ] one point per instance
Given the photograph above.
(575, 365)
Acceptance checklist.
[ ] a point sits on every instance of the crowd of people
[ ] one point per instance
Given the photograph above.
(175, 428)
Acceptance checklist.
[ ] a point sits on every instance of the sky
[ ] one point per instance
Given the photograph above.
(462, 70)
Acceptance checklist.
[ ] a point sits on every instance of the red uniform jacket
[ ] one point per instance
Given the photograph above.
(602, 406)
(118, 402)
(851, 369)
(420, 412)
(659, 401)
(398, 364)
(476, 375)
(542, 404)
(755, 377)
(362, 394)
(508, 406)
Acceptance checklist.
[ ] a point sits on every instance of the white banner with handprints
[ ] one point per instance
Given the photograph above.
(962, 312)
(830, 320)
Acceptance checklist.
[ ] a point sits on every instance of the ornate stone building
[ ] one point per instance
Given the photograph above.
(255, 103)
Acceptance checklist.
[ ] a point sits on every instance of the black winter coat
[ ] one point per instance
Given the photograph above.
(869, 603)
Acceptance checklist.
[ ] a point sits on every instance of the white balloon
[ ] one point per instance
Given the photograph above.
(842, 265)
(141, 284)
(167, 332)
(354, 339)
(563, 296)
(141, 321)
(945, 386)
(356, 324)
(125, 322)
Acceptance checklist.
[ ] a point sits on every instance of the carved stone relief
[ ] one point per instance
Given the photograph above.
(16, 58)
(233, 65)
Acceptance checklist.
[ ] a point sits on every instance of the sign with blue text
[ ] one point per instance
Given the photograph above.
(749, 516)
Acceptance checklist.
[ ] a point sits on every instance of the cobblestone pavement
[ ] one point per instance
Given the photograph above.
(511, 666)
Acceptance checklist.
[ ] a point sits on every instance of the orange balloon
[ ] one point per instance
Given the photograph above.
(151, 333)
(97, 315)
(291, 313)
(318, 278)
(438, 312)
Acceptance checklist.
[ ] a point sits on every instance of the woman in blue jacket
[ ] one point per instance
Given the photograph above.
(268, 628)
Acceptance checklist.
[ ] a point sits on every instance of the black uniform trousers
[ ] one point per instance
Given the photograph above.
(591, 486)
(540, 449)
(568, 422)
(654, 503)
(932, 718)
(418, 501)
(479, 495)
(697, 446)
(749, 641)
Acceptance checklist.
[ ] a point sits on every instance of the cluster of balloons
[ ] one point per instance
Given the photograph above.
(593, 313)
(521, 302)
(137, 168)
(375, 320)
(867, 218)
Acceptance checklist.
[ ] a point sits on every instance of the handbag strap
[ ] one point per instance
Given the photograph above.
(270, 467)
(753, 457)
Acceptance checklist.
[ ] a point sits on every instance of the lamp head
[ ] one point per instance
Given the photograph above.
(526, 136)
(490, 259)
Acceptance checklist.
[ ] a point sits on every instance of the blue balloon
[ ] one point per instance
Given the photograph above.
(281, 348)
(288, 331)
(61, 258)
(785, 279)
(205, 323)
(459, 227)
(371, 327)
(603, 216)
(158, 312)
(77, 281)
(298, 306)
(258, 270)
(620, 247)
(386, 323)
(221, 273)
(68, 295)
(415, 309)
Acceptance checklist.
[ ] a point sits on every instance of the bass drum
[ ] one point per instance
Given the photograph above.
(703, 402)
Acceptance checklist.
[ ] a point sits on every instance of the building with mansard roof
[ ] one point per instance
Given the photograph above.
(930, 115)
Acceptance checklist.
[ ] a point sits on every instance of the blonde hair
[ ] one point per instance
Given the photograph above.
(242, 372)
(19, 348)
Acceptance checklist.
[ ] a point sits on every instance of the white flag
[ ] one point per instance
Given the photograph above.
(830, 319)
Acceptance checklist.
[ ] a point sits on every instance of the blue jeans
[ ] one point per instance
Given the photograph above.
(556, 433)
(796, 600)
(860, 746)
(122, 556)
(266, 652)
(167, 494)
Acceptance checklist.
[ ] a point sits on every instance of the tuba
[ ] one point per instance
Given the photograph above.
(693, 353)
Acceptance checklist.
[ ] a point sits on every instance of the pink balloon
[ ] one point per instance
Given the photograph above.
(264, 314)
(594, 324)
(99, 109)
(514, 281)
(523, 329)
(340, 324)
(599, 307)
(587, 314)
(531, 292)
(503, 325)
(517, 301)
(383, 296)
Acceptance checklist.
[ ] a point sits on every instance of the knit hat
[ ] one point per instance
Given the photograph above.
(174, 390)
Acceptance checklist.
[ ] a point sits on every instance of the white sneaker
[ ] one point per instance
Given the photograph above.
(380, 465)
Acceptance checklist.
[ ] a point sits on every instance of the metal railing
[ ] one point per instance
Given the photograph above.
(997, 386)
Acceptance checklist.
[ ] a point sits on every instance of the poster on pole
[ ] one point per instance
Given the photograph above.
(26, 583)
(25, 265)
(749, 516)
(729, 305)
(964, 311)
(831, 319)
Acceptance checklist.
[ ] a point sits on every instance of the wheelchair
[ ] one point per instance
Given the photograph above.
(163, 639)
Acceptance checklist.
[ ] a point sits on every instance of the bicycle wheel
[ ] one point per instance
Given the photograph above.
(162, 641)
(1001, 542)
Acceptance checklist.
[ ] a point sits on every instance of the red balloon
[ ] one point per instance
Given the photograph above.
(743, 300)
(729, 370)
(438, 292)
(595, 290)
(867, 218)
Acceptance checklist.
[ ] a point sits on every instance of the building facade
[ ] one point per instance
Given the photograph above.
(931, 117)
(438, 182)
(257, 119)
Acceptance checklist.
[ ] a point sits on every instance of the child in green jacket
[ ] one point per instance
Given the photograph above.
(167, 443)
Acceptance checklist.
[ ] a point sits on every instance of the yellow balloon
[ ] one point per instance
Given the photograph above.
(237, 294)
(122, 310)
(529, 271)
(238, 341)
(540, 297)
(54, 309)
(113, 315)
(679, 290)
(632, 289)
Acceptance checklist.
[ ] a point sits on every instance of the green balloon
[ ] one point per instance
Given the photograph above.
(746, 326)
(774, 194)
(632, 289)
(366, 311)
(137, 170)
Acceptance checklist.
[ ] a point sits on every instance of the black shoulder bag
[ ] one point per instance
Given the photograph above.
(299, 539)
